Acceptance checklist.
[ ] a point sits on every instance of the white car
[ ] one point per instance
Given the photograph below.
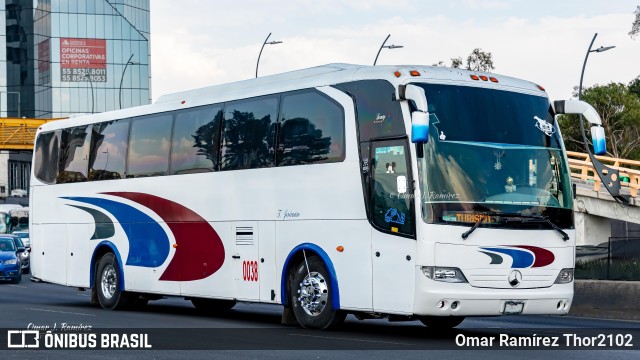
(24, 236)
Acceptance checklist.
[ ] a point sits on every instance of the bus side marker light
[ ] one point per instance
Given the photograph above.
(340, 248)
(175, 246)
(397, 73)
(414, 73)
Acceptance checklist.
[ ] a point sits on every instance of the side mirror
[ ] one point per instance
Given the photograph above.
(419, 127)
(579, 107)
(21, 249)
(419, 118)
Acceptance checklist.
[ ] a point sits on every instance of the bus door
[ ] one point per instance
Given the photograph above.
(246, 261)
(392, 216)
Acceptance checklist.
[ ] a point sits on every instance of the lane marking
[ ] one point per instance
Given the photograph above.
(23, 287)
(60, 312)
(351, 339)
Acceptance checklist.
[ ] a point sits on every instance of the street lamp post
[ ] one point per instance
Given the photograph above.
(263, 44)
(386, 47)
(610, 177)
(122, 77)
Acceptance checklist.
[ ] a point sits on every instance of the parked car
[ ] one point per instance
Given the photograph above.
(22, 252)
(9, 261)
(24, 236)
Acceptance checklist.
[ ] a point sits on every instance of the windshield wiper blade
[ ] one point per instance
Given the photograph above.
(543, 219)
(526, 218)
(466, 234)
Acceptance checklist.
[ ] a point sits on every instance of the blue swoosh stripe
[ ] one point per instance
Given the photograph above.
(521, 259)
(148, 242)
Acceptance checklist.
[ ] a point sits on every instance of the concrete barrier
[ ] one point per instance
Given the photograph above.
(607, 299)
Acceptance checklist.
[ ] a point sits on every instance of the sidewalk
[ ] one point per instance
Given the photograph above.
(607, 299)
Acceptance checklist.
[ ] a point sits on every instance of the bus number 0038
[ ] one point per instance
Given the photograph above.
(250, 270)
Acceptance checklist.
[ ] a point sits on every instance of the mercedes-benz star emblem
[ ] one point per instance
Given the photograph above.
(515, 278)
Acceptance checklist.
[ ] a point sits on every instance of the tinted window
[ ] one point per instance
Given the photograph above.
(149, 145)
(379, 115)
(249, 132)
(46, 158)
(108, 150)
(391, 192)
(311, 129)
(74, 154)
(196, 140)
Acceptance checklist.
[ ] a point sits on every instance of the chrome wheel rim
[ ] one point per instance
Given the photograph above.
(313, 294)
(109, 281)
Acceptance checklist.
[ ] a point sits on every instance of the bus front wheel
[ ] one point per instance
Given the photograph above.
(441, 322)
(311, 293)
(108, 284)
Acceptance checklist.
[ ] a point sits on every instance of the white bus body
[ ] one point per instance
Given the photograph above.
(320, 225)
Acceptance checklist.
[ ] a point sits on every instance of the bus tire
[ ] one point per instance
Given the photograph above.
(108, 283)
(310, 296)
(441, 322)
(212, 306)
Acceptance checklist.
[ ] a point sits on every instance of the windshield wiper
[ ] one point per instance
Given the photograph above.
(539, 219)
(466, 234)
(524, 219)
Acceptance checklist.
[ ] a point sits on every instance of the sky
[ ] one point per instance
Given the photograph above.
(196, 43)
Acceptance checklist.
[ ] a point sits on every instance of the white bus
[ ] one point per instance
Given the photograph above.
(408, 192)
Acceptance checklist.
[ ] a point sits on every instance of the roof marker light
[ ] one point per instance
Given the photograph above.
(484, 78)
(475, 77)
(414, 73)
(493, 79)
(540, 87)
(183, 102)
(397, 73)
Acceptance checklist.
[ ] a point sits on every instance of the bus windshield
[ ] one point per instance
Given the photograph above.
(492, 152)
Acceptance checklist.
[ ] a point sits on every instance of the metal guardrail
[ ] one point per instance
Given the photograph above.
(582, 168)
(19, 133)
(617, 259)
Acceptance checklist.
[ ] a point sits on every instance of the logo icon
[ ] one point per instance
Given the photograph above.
(544, 126)
(522, 256)
(22, 339)
(515, 278)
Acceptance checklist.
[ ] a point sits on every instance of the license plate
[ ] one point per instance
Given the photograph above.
(513, 307)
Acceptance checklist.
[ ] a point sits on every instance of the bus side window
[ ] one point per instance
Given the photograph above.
(390, 192)
(46, 159)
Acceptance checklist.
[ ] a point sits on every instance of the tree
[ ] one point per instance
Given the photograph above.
(635, 27)
(619, 110)
(479, 60)
(634, 86)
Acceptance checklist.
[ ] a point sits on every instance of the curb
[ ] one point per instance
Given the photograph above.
(606, 299)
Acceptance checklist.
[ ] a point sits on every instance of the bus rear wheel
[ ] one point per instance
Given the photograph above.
(311, 293)
(108, 284)
(441, 322)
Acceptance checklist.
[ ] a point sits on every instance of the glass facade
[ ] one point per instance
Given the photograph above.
(68, 57)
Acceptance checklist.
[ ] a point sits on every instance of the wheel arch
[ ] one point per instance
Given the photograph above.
(296, 255)
(103, 248)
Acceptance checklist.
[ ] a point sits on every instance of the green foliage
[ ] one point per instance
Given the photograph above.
(635, 27)
(619, 109)
(478, 60)
(634, 86)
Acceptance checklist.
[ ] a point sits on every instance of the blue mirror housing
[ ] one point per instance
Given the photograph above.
(599, 140)
(419, 127)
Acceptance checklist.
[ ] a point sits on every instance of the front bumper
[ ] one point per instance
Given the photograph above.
(475, 301)
(10, 272)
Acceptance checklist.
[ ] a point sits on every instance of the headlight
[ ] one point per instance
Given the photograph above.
(445, 274)
(565, 276)
(24, 254)
(11, 262)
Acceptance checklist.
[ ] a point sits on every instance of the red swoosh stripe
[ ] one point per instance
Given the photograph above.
(199, 252)
(543, 257)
